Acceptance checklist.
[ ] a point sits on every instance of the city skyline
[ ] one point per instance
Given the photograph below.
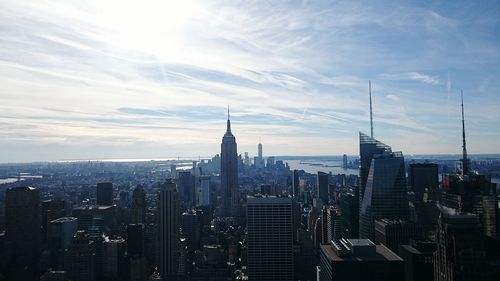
(100, 81)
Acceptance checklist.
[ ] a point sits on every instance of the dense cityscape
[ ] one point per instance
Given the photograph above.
(236, 218)
(255, 140)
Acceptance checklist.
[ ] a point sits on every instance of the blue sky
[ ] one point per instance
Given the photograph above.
(151, 79)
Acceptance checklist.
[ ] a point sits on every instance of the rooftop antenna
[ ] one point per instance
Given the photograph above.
(465, 162)
(228, 129)
(371, 112)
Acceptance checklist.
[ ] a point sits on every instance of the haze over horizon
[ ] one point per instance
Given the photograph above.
(113, 79)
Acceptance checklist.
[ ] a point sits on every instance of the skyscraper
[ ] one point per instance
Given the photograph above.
(322, 187)
(186, 187)
(22, 230)
(138, 205)
(368, 147)
(359, 260)
(105, 193)
(79, 258)
(60, 233)
(423, 176)
(204, 190)
(168, 229)
(385, 191)
(295, 184)
(229, 173)
(460, 251)
(270, 239)
(259, 148)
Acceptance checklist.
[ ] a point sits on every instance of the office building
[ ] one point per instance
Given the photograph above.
(460, 253)
(296, 184)
(79, 258)
(104, 193)
(229, 173)
(418, 260)
(393, 233)
(102, 217)
(138, 207)
(186, 187)
(22, 230)
(322, 187)
(168, 230)
(114, 263)
(269, 239)
(344, 162)
(135, 252)
(423, 178)
(51, 210)
(190, 226)
(385, 194)
(368, 147)
(204, 191)
(60, 233)
(349, 210)
(359, 260)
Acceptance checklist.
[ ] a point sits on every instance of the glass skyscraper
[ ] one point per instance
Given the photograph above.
(384, 192)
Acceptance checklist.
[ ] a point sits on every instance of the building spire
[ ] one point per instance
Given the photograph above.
(371, 112)
(465, 161)
(228, 129)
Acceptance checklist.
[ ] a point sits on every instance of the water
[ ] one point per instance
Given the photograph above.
(314, 166)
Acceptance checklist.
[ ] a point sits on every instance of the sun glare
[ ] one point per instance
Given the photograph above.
(151, 26)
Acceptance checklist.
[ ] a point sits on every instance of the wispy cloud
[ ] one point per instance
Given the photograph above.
(414, 76)
(159, 74)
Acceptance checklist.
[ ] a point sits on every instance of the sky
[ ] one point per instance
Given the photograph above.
(153, 79)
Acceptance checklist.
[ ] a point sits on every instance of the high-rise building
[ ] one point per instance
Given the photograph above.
(114, 263)
(344, 161)
(368, 147)
(190, 226)
(322, 187)
(138, 205)
(259, 148)
(79, 258)
(422, 177)
(295, 184)
(104, 194)
(418, 260)
(168, 229)
(229, 173)
(385, 194)
(204, 190)
(393, 233)
(51, 210)
(359, 260)
(269, 239)
(135, 252)
(349, 210)
(60, 233)
(460, 253)
(472, 193)
(186, 187)
(22, 230)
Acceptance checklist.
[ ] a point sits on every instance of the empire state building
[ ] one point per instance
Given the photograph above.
(229, 173)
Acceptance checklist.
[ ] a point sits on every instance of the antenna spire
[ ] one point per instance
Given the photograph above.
(465, 161)
(228, 129)
(371, 112)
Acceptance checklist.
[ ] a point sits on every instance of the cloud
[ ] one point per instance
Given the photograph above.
(161, 74)
(393, 97)
(413, 76)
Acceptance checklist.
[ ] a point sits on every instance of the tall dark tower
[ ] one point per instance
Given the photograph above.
(229, 172)
(465, 161)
